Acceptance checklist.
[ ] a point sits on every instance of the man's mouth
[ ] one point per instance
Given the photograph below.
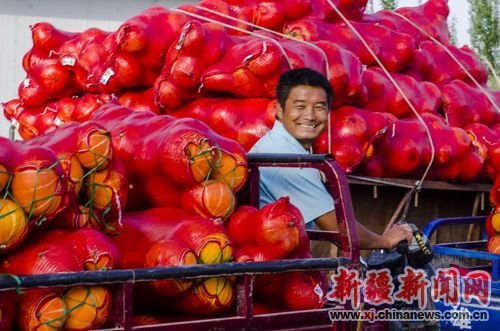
(308, 126)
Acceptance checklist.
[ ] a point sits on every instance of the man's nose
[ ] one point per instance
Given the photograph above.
(309, 113)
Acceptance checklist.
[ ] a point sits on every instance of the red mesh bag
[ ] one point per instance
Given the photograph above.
(211, 199)
(86, 54)
(32, 122)
(199, 46)
(464, 104)
(41, 257)
(303, 291)
(207, 240)
(455, 159)
(131, 56)
(37, 185)
(7, 310)
(46, 77)
(345, 72)
(400, 152)
(94, 250)
(351, 9)
(277, 228)
(241, 227)
(352, 134)
(195, 139)
(63, 64)
(243, 120)
(184, 151)
(432, 63)
(208, 297)
(96, 184)
(277, 231)
(14, 219)
(236, 9)
(107, 192)
(380, 95)
(40, 307)
(169, 253)
(486, 142)
(430, 16)
(405, 151)
(139, 100)
(79, 305)
(82, 145)
(395, 55)
(37, 307)
(272, 14)
(250, 69)
(148, 35)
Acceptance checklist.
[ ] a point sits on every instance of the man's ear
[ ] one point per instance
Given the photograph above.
(279, 112)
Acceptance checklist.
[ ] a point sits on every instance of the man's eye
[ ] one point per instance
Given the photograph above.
(299, 107)
(321, 108)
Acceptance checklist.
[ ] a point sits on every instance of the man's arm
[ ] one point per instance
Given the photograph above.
(367, 238)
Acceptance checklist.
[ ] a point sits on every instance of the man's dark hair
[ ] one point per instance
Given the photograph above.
(303, 76)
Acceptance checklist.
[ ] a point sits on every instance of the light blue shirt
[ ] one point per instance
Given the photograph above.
(302, 185)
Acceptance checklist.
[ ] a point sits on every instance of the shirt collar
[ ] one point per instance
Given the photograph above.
(279, 129)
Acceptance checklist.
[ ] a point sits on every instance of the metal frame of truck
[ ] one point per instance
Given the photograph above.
(243, 318)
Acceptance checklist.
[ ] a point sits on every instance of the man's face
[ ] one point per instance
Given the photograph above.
(306, 113)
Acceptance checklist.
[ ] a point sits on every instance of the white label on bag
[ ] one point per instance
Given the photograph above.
(106, 76)
(26, 82)
(58, 121)
(15, 123)
(68, 61)
(318, 291)
(248, 58)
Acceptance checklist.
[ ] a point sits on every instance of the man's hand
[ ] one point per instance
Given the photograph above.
(367, 238)
(397, 233)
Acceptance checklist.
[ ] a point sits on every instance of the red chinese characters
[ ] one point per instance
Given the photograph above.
(446, 286)
(346, 285)
(477, 284)
(378, 287)
(413, 287)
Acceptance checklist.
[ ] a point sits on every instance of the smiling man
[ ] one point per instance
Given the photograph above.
(304, 99)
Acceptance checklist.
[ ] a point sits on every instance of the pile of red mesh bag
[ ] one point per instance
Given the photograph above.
(143, 132)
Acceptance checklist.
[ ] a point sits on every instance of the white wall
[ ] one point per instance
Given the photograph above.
(70, 15)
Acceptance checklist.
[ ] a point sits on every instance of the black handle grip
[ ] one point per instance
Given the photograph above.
(402, 247)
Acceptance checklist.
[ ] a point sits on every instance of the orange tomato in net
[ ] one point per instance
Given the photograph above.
(4, 177)
(170, 253)
(41, 311)
(102, 186)
(37, 190)
(230, 168)
(74, 171)
(212, 199)
(494, 245)
(13, 224)
(200, 160)
(88, 307)
(95, 150)
(212, 296)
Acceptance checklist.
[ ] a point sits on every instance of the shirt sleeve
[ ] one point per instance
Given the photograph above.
(303, 186)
